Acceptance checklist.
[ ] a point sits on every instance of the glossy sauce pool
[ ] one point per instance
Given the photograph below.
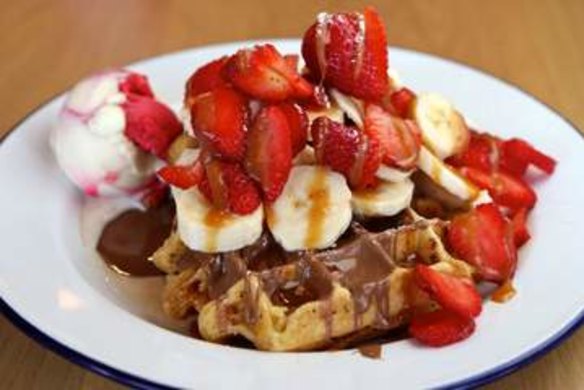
(129, 239)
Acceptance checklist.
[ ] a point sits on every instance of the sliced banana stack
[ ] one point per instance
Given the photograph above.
(444, 130)
(385, 200)
(445, 176)
(203, 228)
(313, 210)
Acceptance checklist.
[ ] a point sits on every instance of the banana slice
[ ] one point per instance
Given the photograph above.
(445, 176)
(350, 106)
(305, 157)
(313, 210)
(205, 229)
(392, 174)
(394, 78)
(444, 130)
(333, 113)
(482, 198)
(385, 200)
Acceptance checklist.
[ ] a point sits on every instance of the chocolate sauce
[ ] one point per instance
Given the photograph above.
(128, 240)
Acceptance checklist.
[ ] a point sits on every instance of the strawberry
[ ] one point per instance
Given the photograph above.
(264, 74)
(454, 294)
(354, 60)
(440, 328)
(402, 102)
(505, 189)
(292, 60)
(399, 139)
(268, 157)
(482, 238)
(482, 153)
(136, 84)
(298, 124)
(205, 79)
(489, 153)
(519, 225)
(521, 152)
(154, 195)
(182, 176)
(150, 124)
(346, 150)
(228, 187)
(219, 119)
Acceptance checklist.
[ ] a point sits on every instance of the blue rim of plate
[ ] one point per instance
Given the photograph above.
(138, 382)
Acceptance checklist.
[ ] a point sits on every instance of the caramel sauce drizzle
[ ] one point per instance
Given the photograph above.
(214, 220)
(320, 199)
(504, 293)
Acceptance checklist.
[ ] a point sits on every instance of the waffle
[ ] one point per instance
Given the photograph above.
(307, 300)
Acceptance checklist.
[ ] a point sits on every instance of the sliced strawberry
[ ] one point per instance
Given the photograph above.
(205, 79)
(481, 238)
(228, 187)
(522, 152)
(519, 225)
(268, 157)
(505, 189)
(263, 73)
(346, 150)
(292, 60)
(489, 153)
(150, 124)
(154, 195)
(319, 100)
(219, 119)
(440, 328)
(402, 102)
(482, 153)
(182, 176)
(298, 124)
(352, 49)
(454, 294)
(136, 84)
(399, 139)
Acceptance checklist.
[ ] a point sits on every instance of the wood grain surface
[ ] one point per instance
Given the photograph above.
(46, 46)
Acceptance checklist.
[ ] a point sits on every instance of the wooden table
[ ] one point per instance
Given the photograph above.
(45, 47)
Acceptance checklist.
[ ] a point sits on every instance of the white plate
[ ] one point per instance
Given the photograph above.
(60, 294)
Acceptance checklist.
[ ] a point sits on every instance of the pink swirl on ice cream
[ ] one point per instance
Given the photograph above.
(111, 131)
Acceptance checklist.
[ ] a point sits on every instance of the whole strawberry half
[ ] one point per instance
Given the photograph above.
(228, 187)
(151, 125)
(349, 52)
(263, 73)
(219, 119)
(483, 237)
(205, 79)
(268, 156)
(399, 139)
(347, 150)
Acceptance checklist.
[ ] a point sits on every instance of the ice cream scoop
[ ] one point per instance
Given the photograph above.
(111, 132)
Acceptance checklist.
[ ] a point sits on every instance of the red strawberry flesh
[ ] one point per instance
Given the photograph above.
(269, 151)
(219, 120)
(454, 294)
(440, 328)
